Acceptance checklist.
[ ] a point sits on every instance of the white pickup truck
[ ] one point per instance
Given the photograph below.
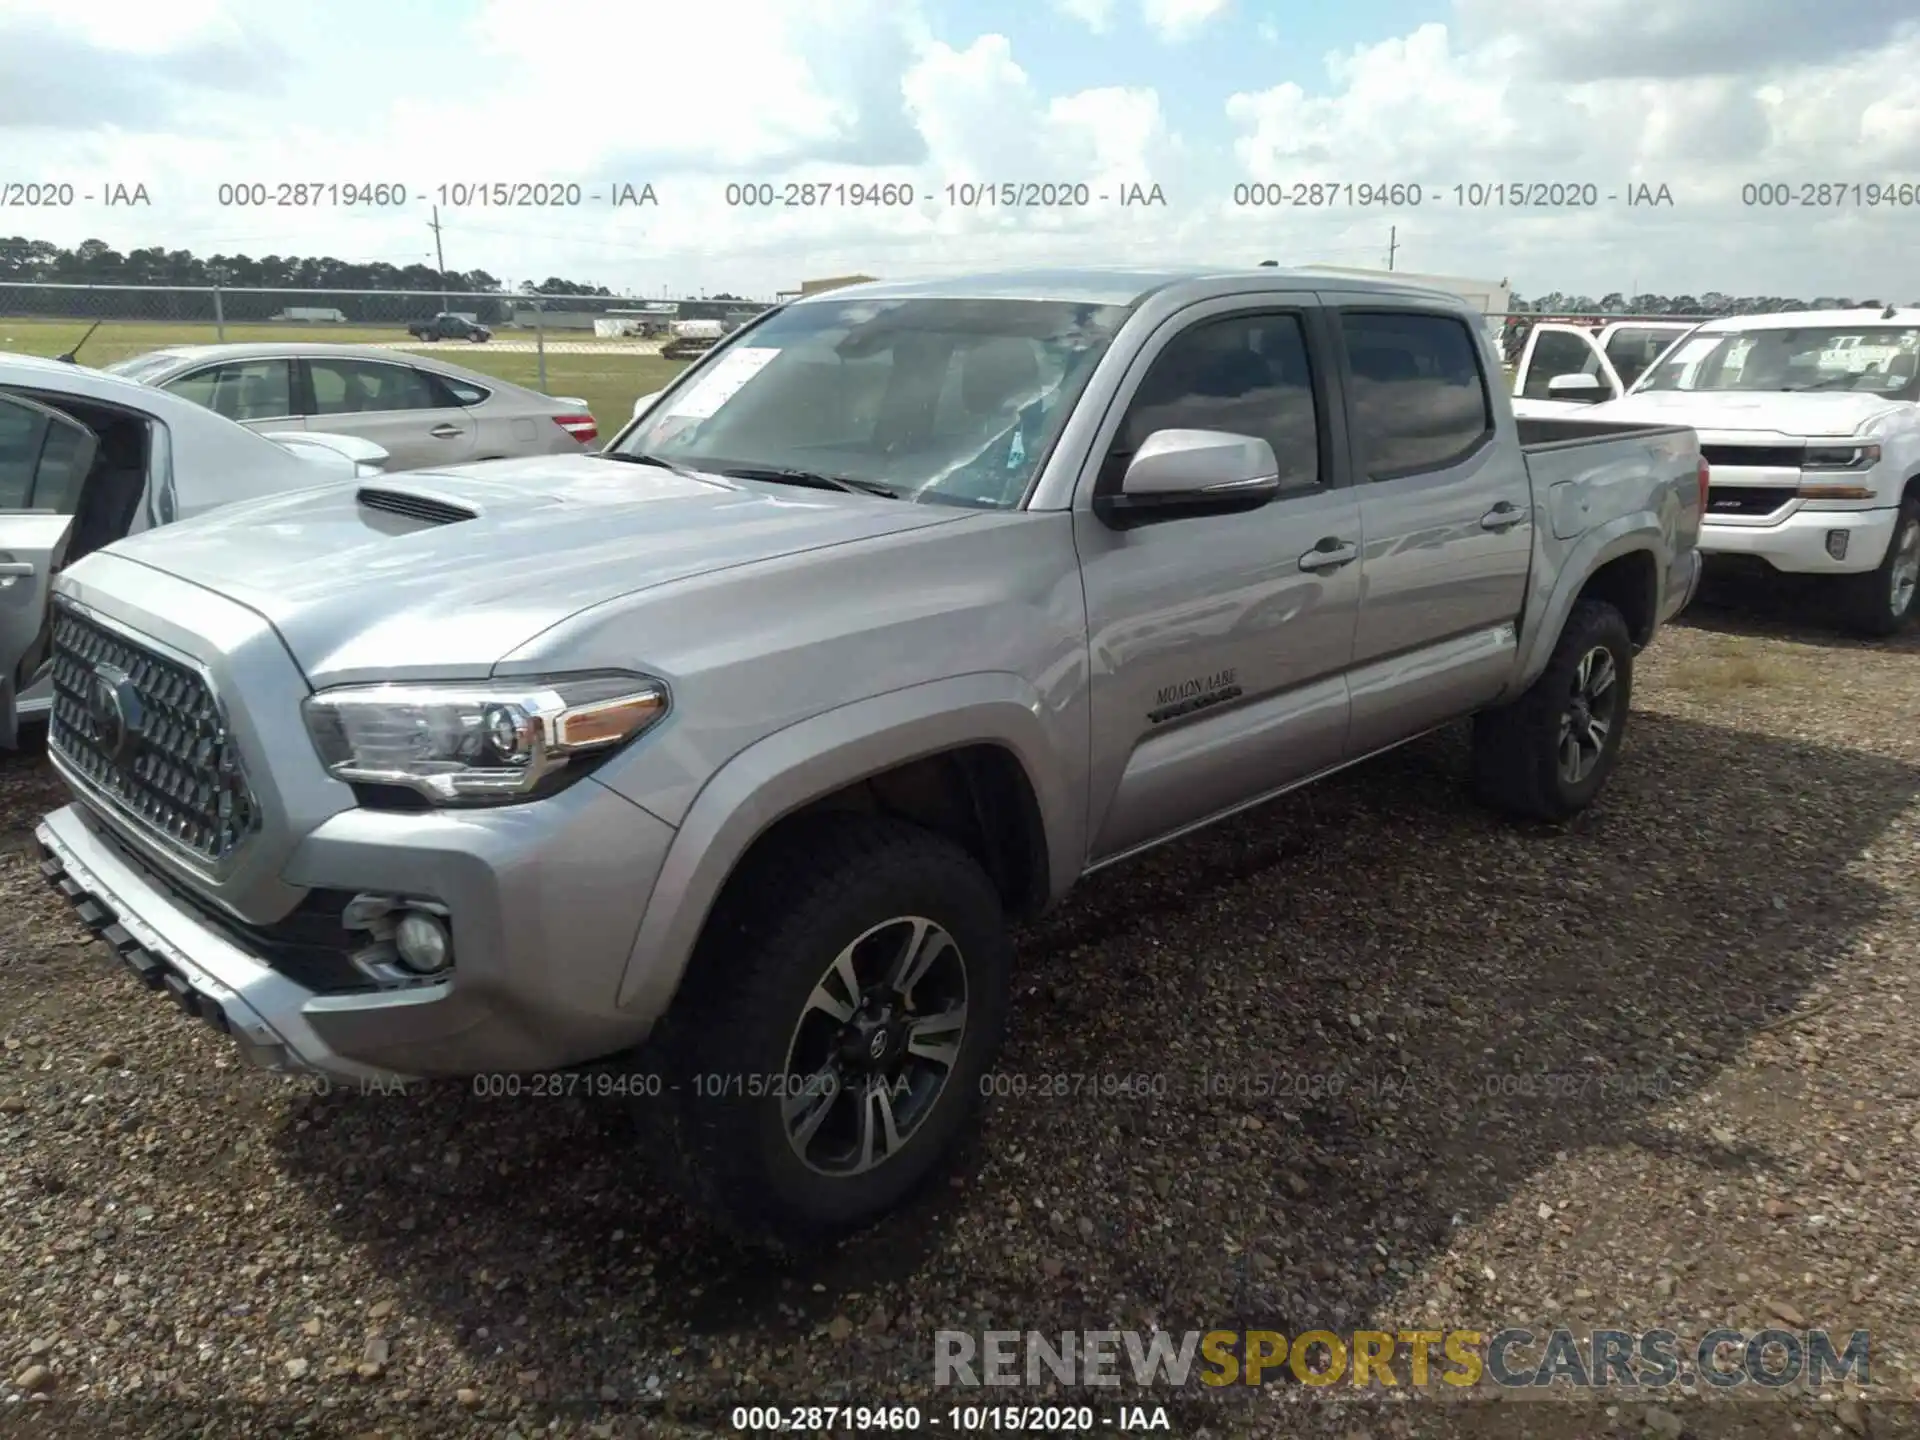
(1810, 421)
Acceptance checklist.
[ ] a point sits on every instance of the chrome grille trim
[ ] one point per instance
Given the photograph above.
(178, 775)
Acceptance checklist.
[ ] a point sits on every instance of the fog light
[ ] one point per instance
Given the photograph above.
(1837, 543)
(422, 940)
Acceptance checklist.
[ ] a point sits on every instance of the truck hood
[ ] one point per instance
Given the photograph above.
(1809, 413)
(359, 592)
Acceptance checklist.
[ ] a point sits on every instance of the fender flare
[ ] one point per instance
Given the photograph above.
(1626, 535)
(783, 772)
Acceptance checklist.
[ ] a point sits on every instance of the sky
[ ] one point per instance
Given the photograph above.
(1424, 122)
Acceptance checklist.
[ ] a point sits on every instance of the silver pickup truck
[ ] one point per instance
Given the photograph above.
(719, 763)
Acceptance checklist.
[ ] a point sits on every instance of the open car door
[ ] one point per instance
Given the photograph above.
(45, 457)
(1569, 355)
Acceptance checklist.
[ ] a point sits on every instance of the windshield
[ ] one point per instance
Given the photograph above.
(138, 367)
(951, 401)
(1871, 359)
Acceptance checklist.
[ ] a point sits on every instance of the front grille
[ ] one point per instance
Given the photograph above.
(1747, 499)
(147, 732)
(1773, 457)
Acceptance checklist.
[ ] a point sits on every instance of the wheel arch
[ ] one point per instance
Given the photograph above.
(967, 757)
(1620, 563)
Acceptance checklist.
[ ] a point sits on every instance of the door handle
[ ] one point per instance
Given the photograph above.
(1503, 516)
(444, 432)
(1330, 554)
(21, 569)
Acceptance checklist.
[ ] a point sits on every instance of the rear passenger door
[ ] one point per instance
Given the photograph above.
(399, 408)
(1219, 643)
(1445, 515)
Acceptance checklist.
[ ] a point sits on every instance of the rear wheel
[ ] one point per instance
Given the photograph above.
(1881, 601)
(830, 1037)
(1549, 753)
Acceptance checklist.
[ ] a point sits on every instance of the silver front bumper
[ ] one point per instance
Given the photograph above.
(544, 909)
(171, 949)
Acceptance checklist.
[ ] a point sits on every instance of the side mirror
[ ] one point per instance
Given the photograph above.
(1576, 387)
(640, 405)
(1177, 473)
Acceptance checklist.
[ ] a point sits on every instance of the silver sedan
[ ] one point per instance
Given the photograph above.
(421, 412)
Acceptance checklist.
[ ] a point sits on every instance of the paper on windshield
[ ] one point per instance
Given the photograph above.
(724, 381)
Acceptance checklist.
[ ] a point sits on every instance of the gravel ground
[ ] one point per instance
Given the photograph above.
(1654, 1069)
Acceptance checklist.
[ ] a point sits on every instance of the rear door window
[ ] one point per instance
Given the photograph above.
(241, 390)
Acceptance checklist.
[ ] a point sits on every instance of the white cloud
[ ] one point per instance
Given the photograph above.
(880, 91)
(1096, 15)
(135, 27)
(1427, 109)
(1176, 20)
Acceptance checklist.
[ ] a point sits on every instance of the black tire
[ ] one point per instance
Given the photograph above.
(805, 895)
(1874, 603)
(1517, 748)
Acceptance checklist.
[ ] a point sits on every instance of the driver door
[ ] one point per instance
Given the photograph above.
(44, 460)
(1554, 350)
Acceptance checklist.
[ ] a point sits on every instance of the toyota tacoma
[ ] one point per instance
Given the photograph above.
(720, 762)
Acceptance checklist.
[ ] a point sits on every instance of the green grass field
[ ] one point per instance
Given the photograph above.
(608, 383)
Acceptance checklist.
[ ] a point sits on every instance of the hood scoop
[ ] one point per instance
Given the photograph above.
(427, 509)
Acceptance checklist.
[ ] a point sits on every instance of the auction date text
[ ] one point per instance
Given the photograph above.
(63, 194)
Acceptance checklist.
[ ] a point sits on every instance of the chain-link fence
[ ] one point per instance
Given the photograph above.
(125, 320)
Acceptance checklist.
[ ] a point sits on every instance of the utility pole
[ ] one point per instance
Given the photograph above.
(1393, 243)
(220, 275)
(440, 256)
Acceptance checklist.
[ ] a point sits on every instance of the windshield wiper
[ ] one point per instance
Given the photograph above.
(813, 479)
(640, 457)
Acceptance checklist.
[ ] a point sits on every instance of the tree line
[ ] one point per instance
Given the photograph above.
(1711, 303)
(26, 263)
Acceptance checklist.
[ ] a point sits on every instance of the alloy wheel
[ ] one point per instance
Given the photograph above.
(1589, 717)
(874, 1047)
(1905, 576)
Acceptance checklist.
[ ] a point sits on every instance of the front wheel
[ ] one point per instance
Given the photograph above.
(1549, 753)
(833, 1030)
(1880, 602)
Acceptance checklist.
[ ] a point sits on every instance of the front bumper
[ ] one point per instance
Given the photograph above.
(544, 910)
(1797, 545)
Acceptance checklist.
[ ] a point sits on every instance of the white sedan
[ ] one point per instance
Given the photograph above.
(87, 458)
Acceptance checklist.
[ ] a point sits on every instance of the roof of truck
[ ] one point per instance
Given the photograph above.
(1103, 286)
(1860, 315)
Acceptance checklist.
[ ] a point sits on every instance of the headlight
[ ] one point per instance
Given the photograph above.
(1841, 457)
(481, 742)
